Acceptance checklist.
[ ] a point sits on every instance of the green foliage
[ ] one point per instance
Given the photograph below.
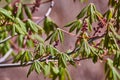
(6, 13)
(90, 12)
(49, 25)
(55, 36)
(111, 72)
(28, 12)
(75, 25)
(19, 31)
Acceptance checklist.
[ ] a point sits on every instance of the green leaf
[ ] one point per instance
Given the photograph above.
(21, 24)
(55, 70)
(19, 5)
(23, 58)
(63, 61)
(30, 43)
(37, 67)
(8, 7)
(18, 57)
(87, 49)
(95, 58)
(33, 26)
(47, 69)
(68, 74)
(6, 13)
(18, 29)
(116, 61)
(51, 51)
(49, 36)
(49, 25)
(74, 26)
(31, 69)
(61, 36)
(54, 37)
(113, 71)
(98, 14)
(82, 13)
(28, 11)
(27, 56)
(21, 14)
(62, 74)
(109, 14)
(38, 37)
(79, 26)
(41, 49)
(20, 40)
(114, 32)
(89, 25)
(92, 13)
(69, 24)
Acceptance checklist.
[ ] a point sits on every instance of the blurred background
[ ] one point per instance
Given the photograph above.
(63, 12)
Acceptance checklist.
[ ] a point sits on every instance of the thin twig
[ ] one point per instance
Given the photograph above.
(81, 59)
(95, 38)
(48, 59)
(6, 39)
(14, 65)
(6, 55)
(67, 32)
(47, 14)
(25, 64)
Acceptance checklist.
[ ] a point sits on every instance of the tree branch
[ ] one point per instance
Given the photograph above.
(14, 65)
(89, 41)
(95, 38)
(25, 64)
(49, 58)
